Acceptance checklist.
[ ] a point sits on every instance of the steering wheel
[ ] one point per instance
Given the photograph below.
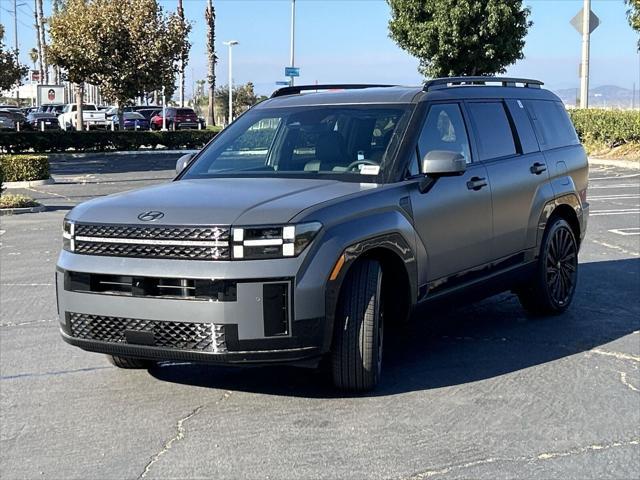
(352, 166)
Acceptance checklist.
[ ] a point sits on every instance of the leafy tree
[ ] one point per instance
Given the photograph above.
(210, 17)
(11, 70)
(244, 97)
(460, 37)
(126, 47)
(633, 14)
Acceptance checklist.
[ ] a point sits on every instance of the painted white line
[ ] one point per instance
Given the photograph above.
(615, 177)
(622, 185)
(616, 247)
(621, 196)
(617, 211)
(626, 231)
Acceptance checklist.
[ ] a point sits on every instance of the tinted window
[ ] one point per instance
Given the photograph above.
(185, 111)
(552, 124)
(528, 140)
(444, 130)
(494, 136)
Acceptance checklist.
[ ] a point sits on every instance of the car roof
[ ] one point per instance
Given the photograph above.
(362, 94)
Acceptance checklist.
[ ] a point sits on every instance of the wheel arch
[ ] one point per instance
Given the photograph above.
(567, 207)
(398, 265)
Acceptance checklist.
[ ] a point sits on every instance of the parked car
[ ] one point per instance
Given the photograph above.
(38, 121)
(177, 119)
(314, 222)
(6, 121)
(148, 113)
(17, 117)
(131, 121)
(90, 116)
(137, 108)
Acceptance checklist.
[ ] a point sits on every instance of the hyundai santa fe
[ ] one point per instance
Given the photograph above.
(325, 214)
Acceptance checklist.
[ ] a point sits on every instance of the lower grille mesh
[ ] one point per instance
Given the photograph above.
(203, 337)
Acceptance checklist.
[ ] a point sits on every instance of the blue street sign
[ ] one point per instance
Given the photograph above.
(291, 71)
(283, 83)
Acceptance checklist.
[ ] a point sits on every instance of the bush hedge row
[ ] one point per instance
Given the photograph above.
(96, 140)
(609, 127)
(23, 168)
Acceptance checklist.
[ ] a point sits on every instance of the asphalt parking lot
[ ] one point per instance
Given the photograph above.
(480, 391)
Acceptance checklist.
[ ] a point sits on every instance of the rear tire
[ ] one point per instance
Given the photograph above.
(129, 362)
(356, 357)
(551, 289)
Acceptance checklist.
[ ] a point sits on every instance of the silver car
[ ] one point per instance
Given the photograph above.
(325, 214)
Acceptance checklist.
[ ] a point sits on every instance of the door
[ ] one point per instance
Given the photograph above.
(453, 218)
(517, 169)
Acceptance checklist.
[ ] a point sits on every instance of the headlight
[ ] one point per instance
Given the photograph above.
(273, 242)
(68, 234)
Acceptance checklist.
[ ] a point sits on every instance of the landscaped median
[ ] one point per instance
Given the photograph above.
(609, 133)
(21, 170)
(100, 140)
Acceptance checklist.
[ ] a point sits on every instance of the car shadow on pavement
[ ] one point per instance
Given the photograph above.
(455, 346)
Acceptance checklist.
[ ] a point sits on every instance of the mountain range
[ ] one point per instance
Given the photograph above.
(605, 96)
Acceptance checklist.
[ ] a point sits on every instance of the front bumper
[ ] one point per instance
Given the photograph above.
(141, 321)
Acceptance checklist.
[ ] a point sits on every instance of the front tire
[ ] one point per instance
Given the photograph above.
(129, 362)
(356, 356)
(553, 285)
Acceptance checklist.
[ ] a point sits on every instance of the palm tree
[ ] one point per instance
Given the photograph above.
(33, 55)
(210, 16)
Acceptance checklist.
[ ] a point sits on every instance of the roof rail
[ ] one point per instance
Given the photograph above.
(438, 83)
(303, 88)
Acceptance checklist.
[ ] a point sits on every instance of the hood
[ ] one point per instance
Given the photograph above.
(220, 201)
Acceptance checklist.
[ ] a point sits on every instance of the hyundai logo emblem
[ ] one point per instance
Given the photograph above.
(150, 216)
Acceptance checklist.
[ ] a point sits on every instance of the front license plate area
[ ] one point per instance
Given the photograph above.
(139, 337)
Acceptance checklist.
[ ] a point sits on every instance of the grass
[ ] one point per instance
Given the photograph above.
(628, 151)
(17, 201)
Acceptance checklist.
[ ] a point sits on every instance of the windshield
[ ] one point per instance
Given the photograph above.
(336, 141)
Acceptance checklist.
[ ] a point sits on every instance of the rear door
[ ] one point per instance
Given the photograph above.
(453, 218)
(517, 170)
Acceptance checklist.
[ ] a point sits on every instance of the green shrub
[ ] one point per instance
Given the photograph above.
(608, 127)
(22, 168)
(17, 201)
(100, 140)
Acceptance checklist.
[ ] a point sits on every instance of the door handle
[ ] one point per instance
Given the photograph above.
(476, 183)
(537, 168)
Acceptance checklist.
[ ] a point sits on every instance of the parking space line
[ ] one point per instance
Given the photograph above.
(615, 177)
(621, 196)
(621, 211)
(626, 231)
(622, 185)
(616, 247)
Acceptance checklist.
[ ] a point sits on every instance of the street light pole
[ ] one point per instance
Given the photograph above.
(586, 33)
(293, 37)
(230, 44)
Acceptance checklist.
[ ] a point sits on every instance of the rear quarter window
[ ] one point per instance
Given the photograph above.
(551, 124)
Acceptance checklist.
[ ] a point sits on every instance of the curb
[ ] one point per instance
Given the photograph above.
(29, 183)
(616, 163)
(115, 154)
(17, 211)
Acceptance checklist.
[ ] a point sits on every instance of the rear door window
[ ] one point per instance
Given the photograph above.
(552, 124)
(494, 136)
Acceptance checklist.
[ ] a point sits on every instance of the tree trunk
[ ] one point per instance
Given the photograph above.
(181, 63)
(38, 25)
(210, 16)
(79, 100)
(43, 42)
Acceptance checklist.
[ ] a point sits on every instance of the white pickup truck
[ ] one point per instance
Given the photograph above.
(91, 117)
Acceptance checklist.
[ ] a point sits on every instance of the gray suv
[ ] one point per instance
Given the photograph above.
(325, 214)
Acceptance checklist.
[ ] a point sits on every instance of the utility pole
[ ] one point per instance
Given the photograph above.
(586, 34)
(293, 37)
(15, 40)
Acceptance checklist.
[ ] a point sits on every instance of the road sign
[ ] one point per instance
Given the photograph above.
(576, 21)
(283, 83)
(291, 71)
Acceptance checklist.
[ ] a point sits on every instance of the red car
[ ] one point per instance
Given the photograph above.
(177, 119)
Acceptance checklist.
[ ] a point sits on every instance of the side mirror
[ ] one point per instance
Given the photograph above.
(182, 162)
(443, 162)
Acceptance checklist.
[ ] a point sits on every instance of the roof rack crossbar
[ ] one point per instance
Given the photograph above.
(438, 83)
(296, 89)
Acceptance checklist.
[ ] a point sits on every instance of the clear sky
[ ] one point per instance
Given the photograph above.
(347, 41)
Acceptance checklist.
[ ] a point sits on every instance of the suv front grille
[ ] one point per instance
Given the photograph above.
(184, 243)
(202, 337)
